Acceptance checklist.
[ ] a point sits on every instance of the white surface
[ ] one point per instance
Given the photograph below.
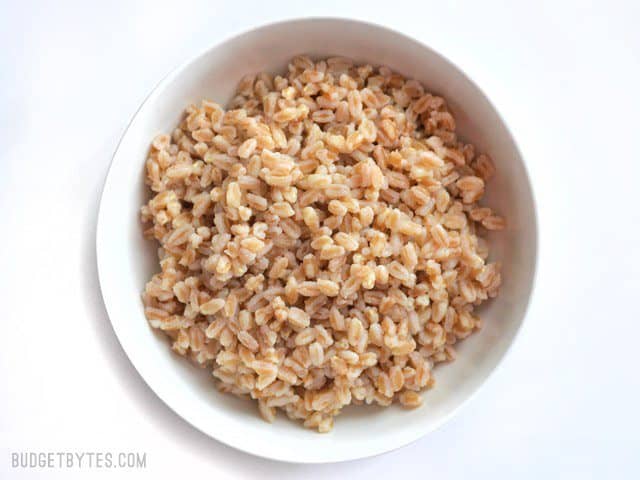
(565, 76)
(126, 261)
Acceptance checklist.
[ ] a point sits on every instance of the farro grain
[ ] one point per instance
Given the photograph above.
(320, 238)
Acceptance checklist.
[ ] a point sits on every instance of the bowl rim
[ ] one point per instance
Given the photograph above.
(340, 457)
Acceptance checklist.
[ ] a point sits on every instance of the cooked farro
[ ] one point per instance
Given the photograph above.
(319, 239)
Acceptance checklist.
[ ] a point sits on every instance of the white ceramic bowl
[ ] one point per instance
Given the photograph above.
(126, 261)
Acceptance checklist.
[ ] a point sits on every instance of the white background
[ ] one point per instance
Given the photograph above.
(565, 75)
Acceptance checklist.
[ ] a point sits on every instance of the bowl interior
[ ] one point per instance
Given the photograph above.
(126, 261)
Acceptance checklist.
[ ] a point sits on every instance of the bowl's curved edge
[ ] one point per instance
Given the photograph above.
(341, 456)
